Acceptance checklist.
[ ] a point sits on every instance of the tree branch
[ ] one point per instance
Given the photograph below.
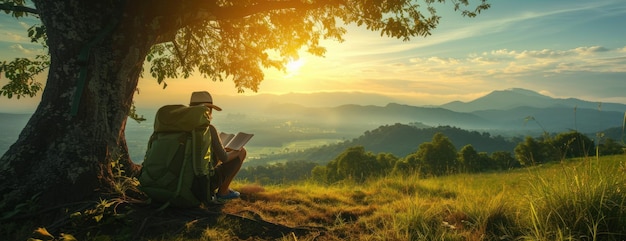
(264, 6)
(17, 8)
(209, 10)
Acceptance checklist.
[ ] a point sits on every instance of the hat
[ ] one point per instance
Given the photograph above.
(203, 97)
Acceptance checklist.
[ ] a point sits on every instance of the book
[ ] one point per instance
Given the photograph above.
(235, 141)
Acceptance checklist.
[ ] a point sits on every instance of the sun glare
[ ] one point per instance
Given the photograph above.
(293, 67)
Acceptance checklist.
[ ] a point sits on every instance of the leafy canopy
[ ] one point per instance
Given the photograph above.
(238, 39)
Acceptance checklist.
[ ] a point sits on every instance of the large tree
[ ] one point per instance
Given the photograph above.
(438, 157)
(97, 51)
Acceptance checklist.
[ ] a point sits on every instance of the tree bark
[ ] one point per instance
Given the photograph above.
(61, 156)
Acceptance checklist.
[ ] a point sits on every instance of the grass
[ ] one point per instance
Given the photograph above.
(582, 202)
(579, 199)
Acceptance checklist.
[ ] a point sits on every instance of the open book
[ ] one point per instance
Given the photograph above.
(235, 141)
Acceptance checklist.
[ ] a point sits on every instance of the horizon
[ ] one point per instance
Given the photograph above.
(234, 103)
(257, 103)
(546, 47)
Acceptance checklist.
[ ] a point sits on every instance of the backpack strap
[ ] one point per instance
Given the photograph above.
(182, 139)
(202, 163)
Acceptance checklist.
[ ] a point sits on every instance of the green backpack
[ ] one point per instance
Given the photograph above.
(177, 166)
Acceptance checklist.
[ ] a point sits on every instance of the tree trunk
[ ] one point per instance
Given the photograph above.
(61, 156)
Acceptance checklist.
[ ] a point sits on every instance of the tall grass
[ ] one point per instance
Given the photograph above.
(580, 199)
(579, 202)
(461, 207)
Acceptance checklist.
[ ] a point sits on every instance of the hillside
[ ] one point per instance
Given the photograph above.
(541, 203)
(399, 140)
(577, 199)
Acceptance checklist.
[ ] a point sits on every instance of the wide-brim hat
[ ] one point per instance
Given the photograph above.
(203, 97)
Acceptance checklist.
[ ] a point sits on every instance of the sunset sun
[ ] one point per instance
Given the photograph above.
(293, 67)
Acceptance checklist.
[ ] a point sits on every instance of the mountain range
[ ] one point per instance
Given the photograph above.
(512, 110)
(517, 97)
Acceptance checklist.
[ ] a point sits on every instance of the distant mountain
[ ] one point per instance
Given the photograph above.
(615, 133)
(517, 97)
(379, 115)
(553, 119)
(518, 111)
(258, 103)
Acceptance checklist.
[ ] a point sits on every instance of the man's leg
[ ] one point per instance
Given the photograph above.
(229, 170)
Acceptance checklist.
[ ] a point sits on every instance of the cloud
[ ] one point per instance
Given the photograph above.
(545, 53)
(443, 61)
(19, 48)
(590, 50)
(549, 53)
(495, 68)
(489, 25)
(498, 69)
(12, 37)
(594, 58)
(502, 64)
(25, 25)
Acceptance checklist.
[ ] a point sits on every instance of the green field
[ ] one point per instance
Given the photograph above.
(294, 146)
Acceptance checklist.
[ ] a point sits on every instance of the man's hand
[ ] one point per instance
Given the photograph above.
(232, 154)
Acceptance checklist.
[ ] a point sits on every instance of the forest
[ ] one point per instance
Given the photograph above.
(431, 151)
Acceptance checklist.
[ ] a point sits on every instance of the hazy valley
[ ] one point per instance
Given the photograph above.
(294, 122)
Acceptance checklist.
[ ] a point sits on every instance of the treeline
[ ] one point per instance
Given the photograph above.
(278, 172)
(439, 156)
(571, 144)
(434, 158)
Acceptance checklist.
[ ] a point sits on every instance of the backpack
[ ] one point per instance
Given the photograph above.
(177, 166)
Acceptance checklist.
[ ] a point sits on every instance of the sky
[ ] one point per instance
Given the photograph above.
(559, 48)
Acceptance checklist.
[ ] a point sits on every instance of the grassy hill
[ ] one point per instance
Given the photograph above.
(579, 199)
